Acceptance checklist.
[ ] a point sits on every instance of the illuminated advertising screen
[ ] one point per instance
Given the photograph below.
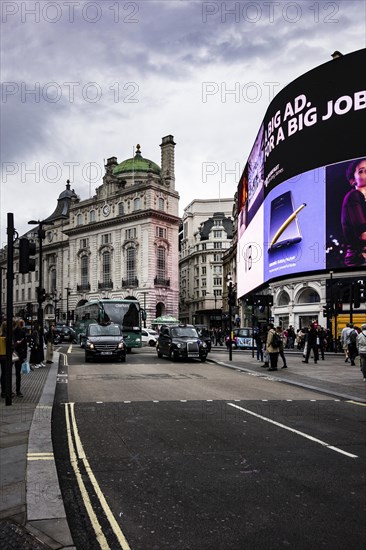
(301, 207)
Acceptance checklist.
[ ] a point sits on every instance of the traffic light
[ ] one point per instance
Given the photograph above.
(339, 306)
(231, 298)
(29, 309)
(325, 311)
(26, 250)
(41, 295)
(358, 289)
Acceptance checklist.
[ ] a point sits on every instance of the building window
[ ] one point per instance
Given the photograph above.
(29, 294)
(23, 295)
(217, 257)
(17, 295)
(79, 219)
(131, 233)
(84, 243)
(203, 246)
(217, 281)
(53, 280)
(161, 204)
(106, 238)
(137, 204)
(121, 209)
(204, 270)
(92, 216)
(161, 232)
(161, 263)
(217, 234)
(84, 279)
(106, 267)
(203, 282)
(131, 263)
(218, 245)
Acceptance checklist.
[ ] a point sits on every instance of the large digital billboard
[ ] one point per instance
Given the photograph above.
(302, 194)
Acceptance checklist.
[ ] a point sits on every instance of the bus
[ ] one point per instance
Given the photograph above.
(128, 314)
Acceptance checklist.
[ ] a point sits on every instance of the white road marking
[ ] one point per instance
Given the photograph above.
(293, 431)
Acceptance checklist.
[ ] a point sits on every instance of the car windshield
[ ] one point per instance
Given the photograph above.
(185, 332)
(108, 330)
(243, 332)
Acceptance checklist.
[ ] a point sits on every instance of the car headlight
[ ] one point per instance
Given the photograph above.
(90, 345)
(204, 345)
(180, 345)
(121, 345)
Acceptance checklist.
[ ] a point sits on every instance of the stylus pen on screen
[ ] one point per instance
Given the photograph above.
(287, 223)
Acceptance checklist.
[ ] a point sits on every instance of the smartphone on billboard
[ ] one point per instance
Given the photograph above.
(284, 227)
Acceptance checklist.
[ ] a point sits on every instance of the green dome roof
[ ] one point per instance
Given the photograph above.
(137, 164)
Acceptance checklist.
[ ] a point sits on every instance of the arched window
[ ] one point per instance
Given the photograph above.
(131, 264)
(53, 280)
(161, 204)
(283, 299)
(92, 216)
(79, 219)
(137, 204)
(308, 296)
(84, 271)
(161, 263)
(106, 267)
(120, 209)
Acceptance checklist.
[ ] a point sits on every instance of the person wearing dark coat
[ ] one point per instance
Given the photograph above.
(36, 355)
(20, 346)
(312, 336)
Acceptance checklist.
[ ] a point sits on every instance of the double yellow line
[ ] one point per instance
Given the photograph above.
(77, 456)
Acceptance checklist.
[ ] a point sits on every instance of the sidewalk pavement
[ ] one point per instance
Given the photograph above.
(332, 376)
(32, 514)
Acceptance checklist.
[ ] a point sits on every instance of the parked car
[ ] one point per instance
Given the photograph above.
(242, 338)
(104, 342)
(181, 341)
(149, 337)
(205, 335)
(64, 333)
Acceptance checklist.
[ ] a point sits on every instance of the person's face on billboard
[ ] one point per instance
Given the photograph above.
(359, 176)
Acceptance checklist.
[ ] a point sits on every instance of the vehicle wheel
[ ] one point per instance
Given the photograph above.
(123, 359)
(87, 359)
(152, 343)
(203, 359)
(172, 356)
(160, 355)
(128, 350)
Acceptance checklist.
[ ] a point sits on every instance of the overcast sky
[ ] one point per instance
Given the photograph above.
(86, 80)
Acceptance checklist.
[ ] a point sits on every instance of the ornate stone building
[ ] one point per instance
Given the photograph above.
(122, 242)
(207, 229)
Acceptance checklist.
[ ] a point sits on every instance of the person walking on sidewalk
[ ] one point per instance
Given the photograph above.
(361, 346)
(258, 337)
(322, 341)
(345, 339)
(312, 336)
(20, 346)
(36, 355)
(282, 346)
(50, 340)
(272, 349)
(352, 346)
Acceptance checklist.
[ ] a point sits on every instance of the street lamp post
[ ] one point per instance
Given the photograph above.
(230, 302)
(68, 290)
(40, 293)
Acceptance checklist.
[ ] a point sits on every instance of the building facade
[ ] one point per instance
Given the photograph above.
(120, 243)
(206, 233)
